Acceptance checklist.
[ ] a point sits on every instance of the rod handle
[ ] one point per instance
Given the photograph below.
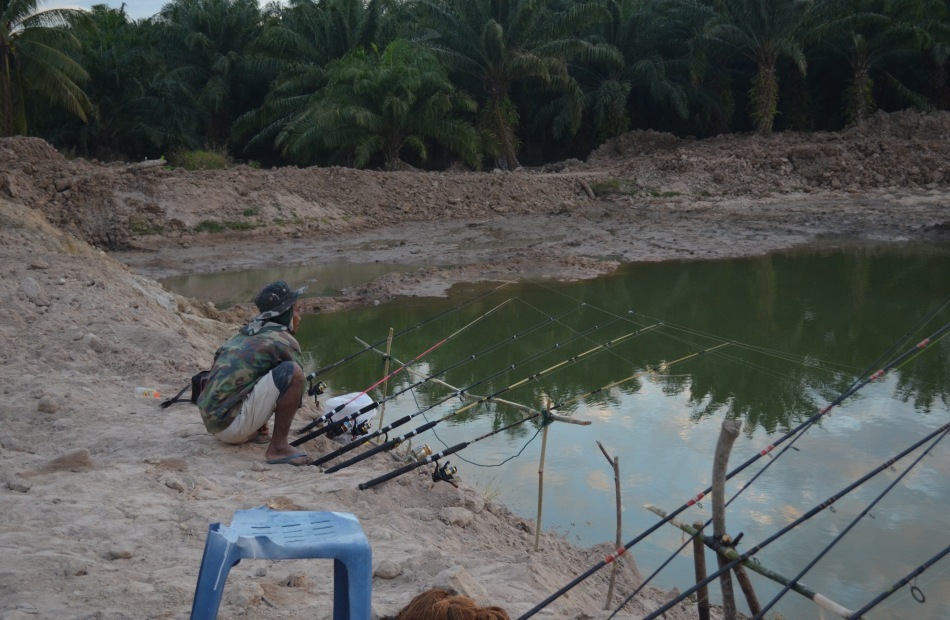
(407, 468)
(363, 455)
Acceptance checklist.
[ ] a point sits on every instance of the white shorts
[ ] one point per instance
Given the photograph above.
(256, 410)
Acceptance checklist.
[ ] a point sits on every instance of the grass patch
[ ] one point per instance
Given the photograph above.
(614, 187)
(210, 226)
(200, 160)
(214, 226)
(251, 211)
(140, 226)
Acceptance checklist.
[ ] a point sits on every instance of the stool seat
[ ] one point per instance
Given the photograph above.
(262, 533)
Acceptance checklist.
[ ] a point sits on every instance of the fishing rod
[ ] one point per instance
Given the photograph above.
(856, 386)
(915, 591)
(421, 429)
(545, 413)
(808, 515)
(847, 529)
(408, 329)
(469, 358)
(456, 392)
(819, 600)
(329, 415)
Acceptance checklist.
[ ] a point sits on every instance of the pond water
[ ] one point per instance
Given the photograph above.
(797, 328)
(224, 289)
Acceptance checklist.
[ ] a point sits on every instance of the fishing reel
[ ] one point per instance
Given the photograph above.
(336, 430)
(446, 473)
(315, 389)
(360, 428)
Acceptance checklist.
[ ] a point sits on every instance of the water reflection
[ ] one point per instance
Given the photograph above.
(802, 327)
(228, 288)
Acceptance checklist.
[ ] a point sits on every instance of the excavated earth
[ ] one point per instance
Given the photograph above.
(107, 498)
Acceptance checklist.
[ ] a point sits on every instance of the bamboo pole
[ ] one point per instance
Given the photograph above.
(389, 348)
(699, 562)
(615, 463)
(819, 599)
(545, 403)
(727, 436)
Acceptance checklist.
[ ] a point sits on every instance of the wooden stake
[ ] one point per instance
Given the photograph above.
(727, 436)
(699, 560)
(545, 404)
(615, 463)
(389, 348)
(819, 599)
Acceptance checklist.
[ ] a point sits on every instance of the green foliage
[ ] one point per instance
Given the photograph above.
(251, 212)
(383, 104)
(540, 79)
(626, 187)
(615, 187)
(199, 160)
(35, 66)
(490, 46)
(215, 226)
(141, 226)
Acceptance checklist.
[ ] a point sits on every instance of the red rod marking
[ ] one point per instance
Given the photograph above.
(613, 556)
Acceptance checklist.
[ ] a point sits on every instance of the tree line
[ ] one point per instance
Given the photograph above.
(383, 83)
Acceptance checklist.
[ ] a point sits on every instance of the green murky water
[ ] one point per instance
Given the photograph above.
(225, 289)
(781, 335)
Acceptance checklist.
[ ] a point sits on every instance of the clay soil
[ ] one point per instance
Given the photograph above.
(107, 498)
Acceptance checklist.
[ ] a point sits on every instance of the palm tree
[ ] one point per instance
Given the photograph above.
(877, 39)
(301, 38)
(382, 104)
(649, 68)
(214, 37)
(494, 45)
(34, 63)
(761, 31)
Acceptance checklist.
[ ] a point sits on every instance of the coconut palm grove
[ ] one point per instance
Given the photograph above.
(430, 84)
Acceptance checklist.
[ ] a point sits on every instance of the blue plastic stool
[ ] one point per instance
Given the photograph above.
(263, 533)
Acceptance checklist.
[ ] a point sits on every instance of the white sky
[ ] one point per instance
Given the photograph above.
(135, 9)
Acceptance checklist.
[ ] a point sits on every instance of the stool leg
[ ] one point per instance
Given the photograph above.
(357, 571)
(218, 559)
(341, 591)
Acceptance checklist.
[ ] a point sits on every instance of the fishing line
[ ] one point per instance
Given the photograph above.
(616, 316)
(847, 529)
(375, 404)
(418, 357)
(545, 414)
(806, 361)
(806, 516)
(900, 584)
(842, 396)
(577, 398)
(462, 458)
(798, 435)
(533, 377)
(451, 395)
(406, 330)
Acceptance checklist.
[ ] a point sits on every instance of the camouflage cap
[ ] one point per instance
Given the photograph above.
(276, 298)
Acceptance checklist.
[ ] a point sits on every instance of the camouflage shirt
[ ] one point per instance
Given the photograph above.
(238, 364)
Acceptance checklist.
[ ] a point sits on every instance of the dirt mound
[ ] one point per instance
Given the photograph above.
(119, 205)
(906, 150)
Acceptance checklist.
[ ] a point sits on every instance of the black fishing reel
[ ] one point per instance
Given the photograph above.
(335, 429)
(315, 389)
(446, 473)
(360, 428)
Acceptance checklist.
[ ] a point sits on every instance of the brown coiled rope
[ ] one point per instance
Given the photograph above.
(438, 604)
